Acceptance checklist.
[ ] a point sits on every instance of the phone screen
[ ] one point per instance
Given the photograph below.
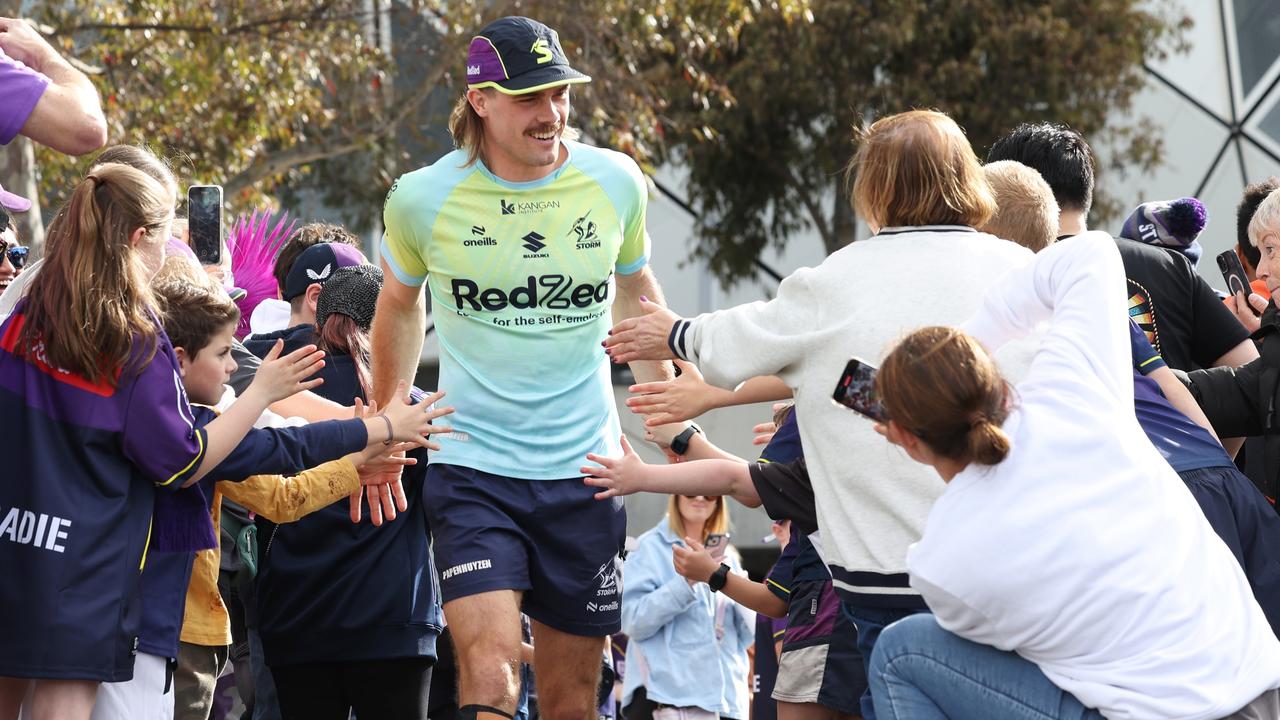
(857, 390)
(716, 544)
(204, 212)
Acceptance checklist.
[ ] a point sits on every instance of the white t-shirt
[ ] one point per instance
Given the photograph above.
(1083, 551)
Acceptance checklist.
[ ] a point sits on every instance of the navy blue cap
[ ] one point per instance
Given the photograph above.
(516, 55)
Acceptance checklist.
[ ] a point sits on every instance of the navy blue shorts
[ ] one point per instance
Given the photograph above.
(550, 539)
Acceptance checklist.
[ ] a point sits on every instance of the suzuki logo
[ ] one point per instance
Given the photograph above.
(533, 242)
(507, 208)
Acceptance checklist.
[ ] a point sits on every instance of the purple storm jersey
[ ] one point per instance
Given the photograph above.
(76, 502)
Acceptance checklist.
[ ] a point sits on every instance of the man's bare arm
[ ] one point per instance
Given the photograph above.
(399, 328)
(631, 288)
(68, 117)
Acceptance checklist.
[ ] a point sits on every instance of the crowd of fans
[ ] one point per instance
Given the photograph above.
(1065, 510)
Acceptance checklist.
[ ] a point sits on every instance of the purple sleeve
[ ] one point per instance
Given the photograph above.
(20, 90)
(160, 434)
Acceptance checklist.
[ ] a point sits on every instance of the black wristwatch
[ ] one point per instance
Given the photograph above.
(718, 578)
(680, 443)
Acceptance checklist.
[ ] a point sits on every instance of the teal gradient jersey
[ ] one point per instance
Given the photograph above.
(521, 277)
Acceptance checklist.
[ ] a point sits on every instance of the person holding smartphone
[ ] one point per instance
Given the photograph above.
(1069, 572)
(688, 643)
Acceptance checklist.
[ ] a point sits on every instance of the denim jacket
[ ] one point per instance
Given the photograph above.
(673, 650)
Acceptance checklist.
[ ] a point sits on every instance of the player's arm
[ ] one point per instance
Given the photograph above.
(399, 328)
(631, 288)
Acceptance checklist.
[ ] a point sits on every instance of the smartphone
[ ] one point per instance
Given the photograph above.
(204, 217)
(1233, 274)
(716, 544)
(857, 390)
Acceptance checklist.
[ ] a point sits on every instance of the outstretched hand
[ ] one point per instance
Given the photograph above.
(673, 401)
(643, 337)
(281, 377)
(412, 423)
(618, 476)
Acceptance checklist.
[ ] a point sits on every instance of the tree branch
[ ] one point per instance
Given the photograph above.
(269, 164)
(810, 204)
(310, 15)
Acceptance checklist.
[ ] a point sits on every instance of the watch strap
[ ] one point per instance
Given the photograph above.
(718, 578)
(680, 443)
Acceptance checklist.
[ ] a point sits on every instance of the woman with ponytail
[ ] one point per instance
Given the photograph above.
(90, 390)
(1069, 572)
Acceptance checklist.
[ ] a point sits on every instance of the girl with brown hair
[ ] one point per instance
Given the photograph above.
(1069, 572)
(89, 387)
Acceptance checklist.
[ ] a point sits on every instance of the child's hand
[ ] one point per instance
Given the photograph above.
(412, 423)
(621, 476)
(673, 401)
(764, 433)
(694, 562)
(281, 377)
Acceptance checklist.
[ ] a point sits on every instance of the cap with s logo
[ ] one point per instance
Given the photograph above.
(516, 55)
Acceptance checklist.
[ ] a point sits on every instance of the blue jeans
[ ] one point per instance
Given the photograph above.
(920, 671)
(868, 622)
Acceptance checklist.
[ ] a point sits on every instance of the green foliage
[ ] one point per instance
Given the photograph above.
(757, 99)
(243, 93)
(762, 105)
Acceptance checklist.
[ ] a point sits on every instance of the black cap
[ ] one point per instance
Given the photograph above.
(516, 55)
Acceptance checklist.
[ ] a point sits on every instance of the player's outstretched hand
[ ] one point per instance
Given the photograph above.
(618, 476)
(643, 337)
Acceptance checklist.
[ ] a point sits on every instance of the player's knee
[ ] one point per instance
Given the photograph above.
(569, 706)
(489, 675)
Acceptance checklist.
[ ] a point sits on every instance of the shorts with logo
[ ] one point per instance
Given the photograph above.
(549, 538)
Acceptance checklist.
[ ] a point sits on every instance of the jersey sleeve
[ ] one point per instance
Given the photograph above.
(1145, 358)
(286, 499)
(786, 493)
(634, 253)
(781, 576)
(405, 237)
(1216, 331)
(161, 437)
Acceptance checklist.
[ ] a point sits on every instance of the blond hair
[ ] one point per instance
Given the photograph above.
(1026, 212)
(1266, 219)
(717, 523)
(91, 305)
(917, 168)
(467, 128)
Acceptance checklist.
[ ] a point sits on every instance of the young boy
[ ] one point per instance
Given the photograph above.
(200, 320)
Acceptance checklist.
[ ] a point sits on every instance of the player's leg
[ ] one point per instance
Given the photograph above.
(12, 690)
(482, 555)
(567, 668)
(575, 599)
(486, 640)
(63, 699)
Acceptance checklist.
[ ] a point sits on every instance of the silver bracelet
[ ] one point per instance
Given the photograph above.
(390, 433)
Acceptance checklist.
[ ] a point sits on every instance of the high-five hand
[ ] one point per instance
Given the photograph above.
(643, 337)
(618, 476)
